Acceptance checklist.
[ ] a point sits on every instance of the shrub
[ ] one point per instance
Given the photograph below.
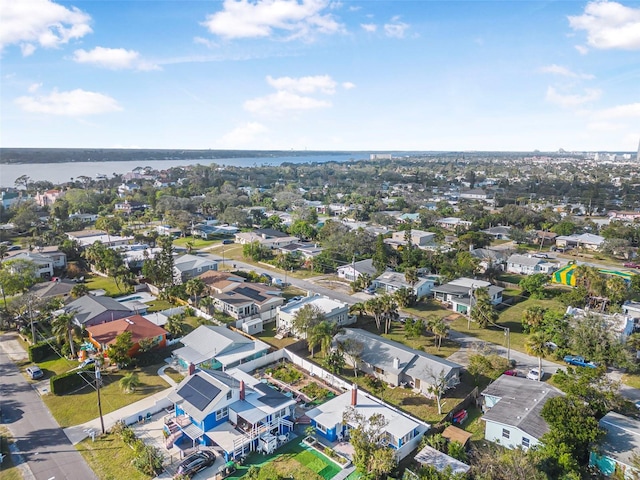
(148, 459)
(39, 352)
(68, 381)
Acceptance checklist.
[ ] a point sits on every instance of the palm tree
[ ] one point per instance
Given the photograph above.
(411, 276)
(129, 382)
(538, 345)
(358, 307)
(207, 303)
(376, 308)
(390, 311)
(194, 288)
(79, 290)
(175, 326)
(439, 328)
(321, 335)
(62, 327)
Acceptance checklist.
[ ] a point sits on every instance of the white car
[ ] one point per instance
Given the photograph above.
(534, 374)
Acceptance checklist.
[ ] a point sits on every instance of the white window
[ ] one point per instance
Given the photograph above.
(222, 413)
(321, 428)
(407, 437)
(525, 442)
(229, 395)
(505, 433)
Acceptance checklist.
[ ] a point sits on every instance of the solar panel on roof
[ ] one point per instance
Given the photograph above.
(198, 392)
(251, 293)
(271, 397)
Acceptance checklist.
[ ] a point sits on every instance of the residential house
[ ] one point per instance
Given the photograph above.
(334, 311)
(512, 407)
(585, 240)
(393, 281)
(452, 223)
(57, 258)
(50, 290)
(352, 271)
(233, 414)
(303, 250)
(475, 194)
(8, 198)
(398, 364)
(91, 310)
(251, 303)
(103, 335)
(218, 348)
(546, 238)
(88, 237)
(404, 432)
(529, 265)
(126, 188)
(624, 216)
(266, 237)
(458, 293)
(44, 264)
(417, 238)
(618, 448)
(129, 206)
(499, 233)
(212, 231)
(186, 267)
(219, 282)
(48, 198)
(169, 231)
(490, 258)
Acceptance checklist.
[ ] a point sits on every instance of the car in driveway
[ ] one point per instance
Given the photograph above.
(88, 361)
(578, 361)
(535, 374)
(196, 462)
(34, 372)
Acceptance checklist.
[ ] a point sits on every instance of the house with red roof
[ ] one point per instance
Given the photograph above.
(105, 334)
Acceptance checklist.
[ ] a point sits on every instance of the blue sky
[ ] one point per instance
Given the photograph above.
(320, 75)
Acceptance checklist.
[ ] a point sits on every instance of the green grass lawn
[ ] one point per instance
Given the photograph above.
(96, 282)
(267, 335)
(292, 461)
(631, 379)
(81, 406)
(159, 305)
(428, 309)
(110, 458)
(197, 243)
(174, 374)
(56, 365)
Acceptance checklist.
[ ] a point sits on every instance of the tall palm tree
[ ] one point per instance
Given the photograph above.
(194, 288)
(390, 311)
(62, 327)
(359, 308)
(411, 276)
(207, 303)
(175, 325)
(321, 335)
(538, 346)
(439, 328)
(376, 308)
(129, 382)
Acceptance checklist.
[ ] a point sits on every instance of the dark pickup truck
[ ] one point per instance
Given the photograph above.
(578, 361)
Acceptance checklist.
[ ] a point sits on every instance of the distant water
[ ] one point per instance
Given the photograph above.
(64, 172)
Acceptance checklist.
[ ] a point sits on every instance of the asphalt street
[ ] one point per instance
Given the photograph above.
(39, 440)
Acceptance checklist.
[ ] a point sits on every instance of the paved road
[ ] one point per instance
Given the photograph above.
(40, 441)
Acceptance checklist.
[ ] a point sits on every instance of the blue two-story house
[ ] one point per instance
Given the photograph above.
(214, 409)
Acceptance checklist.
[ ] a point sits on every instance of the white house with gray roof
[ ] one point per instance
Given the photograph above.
(393, 281)
(353, 271)
(529, 265)
(398, 364)
(458, 293)
(512, 407)
(585, 240)
(186, 267)
(618, 447)
(333, 310)
(218, 348)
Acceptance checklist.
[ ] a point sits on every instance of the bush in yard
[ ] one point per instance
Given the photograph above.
(69, 381)
(39, 352)
(148, 459)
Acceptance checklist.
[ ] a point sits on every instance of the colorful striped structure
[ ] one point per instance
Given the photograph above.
(566, 275)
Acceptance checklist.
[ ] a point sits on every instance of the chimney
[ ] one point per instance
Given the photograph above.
(354, 395)
(241, 389)
(192, 369)
(396, 363)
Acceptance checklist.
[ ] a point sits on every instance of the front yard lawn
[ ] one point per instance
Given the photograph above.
(81, 406)
(108, 284)
(197, 243)
(158, 305)
(110, 458)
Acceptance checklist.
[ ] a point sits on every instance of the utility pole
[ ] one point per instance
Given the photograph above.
(507, 332)
(33, 327)
(98, 382)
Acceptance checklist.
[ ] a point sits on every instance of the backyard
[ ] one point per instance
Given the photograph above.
(108, 284)
(110, 458)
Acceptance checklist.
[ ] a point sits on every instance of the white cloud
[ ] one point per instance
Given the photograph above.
(34, 87)
(629, 110)
(369, 27)
(113, 59)
(262, 18)
(348, 85)
(204, 41)
(307, 85)
(243, 135)
(572, 100)
(43, 23)
(582, 50)
(609, 25)
(283, 101)
(74, 103)
(565, 72)
(395, 28)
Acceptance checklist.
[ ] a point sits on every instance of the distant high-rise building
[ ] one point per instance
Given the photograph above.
(638, 156)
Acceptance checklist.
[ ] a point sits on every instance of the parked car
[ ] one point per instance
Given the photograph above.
(196, 462)
(578, 361)
(535, 374)
(34, 372)
(631, 265)
(511, 373)
(370, 290)
(227, 242)
(13, 248)
(88, 361)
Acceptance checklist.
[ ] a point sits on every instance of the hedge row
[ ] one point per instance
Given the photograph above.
(69, 381)
(40, 351)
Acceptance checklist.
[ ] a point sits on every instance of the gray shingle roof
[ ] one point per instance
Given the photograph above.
(88, 307)
(186, 263)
